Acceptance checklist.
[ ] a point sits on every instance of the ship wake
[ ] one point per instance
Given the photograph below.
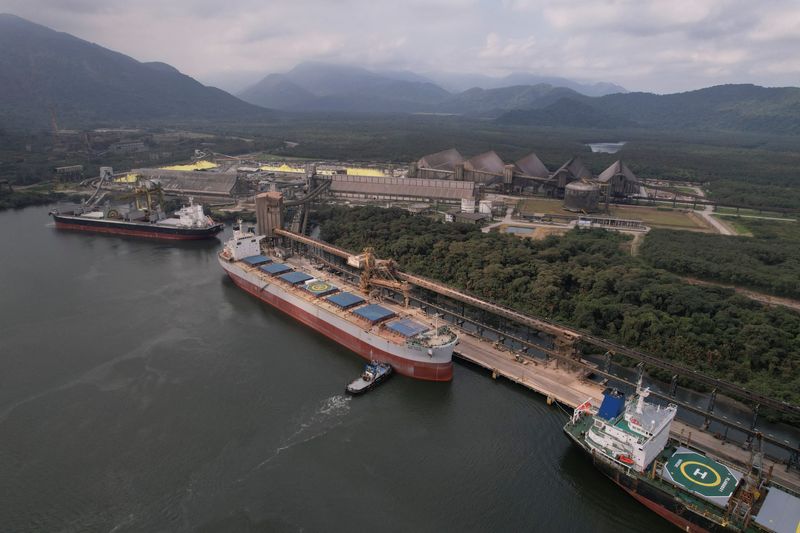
(327, 416)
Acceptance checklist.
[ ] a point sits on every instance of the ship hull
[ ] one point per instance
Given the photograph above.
(660, 502)
(135, 229)
(428, 371)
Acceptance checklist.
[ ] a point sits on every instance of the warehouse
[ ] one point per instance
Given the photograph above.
(196, 183)
(618, 181)
(441, 165)
(400, 189)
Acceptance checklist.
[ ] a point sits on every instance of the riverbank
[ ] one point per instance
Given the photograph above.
(31, 197)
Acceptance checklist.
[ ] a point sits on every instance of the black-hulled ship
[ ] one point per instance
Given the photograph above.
(140, 220)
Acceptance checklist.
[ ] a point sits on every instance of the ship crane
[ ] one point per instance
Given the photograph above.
(379, 273)
(147, 196)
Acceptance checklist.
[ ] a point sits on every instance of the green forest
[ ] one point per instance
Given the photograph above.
(767, 262)
(757, 170)
(587, 279)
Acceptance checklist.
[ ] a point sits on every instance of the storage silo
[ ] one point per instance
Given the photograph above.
(581, 196)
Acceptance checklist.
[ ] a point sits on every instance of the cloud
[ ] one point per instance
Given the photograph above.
(659, 45)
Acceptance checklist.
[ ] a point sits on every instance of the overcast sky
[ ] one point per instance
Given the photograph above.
(659, 46)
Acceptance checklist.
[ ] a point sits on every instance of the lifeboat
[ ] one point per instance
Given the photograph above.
(625, 459)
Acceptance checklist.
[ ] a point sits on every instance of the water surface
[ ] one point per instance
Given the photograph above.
(140, 390)
(606, 148)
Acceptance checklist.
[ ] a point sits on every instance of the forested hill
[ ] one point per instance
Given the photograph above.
(723, 107)
(42, 70)
(587, 280)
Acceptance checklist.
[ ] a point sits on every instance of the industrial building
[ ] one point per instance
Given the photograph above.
(572, 170)
(70, 172)
(488, 168)
(399, 189)
(619, 181)
(193, 182)
(441, 165)
(485, 169)
(530, 175)
(582, 196)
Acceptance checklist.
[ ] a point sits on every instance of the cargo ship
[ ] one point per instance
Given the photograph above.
(385, 332)
(187, 223)
(629, 442)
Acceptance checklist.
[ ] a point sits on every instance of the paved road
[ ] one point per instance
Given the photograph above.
(721, 227)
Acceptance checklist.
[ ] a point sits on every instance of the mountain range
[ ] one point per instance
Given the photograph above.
(325, 87)
(45, 73)
(461, 82)
(328, 87)
(741, 107)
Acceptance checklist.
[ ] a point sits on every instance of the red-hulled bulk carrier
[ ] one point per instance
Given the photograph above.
(187, 223)
(402, 337)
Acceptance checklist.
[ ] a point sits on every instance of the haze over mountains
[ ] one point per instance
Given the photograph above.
(328, 87)
(42, 70)
(723, 107)
(325, 87)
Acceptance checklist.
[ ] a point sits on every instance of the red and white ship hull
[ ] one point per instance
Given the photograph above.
(427, 364)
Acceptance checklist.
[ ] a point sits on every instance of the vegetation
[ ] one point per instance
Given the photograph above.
(754, 170)
(723, 107)
(84, 83)
(736, 168)
(586, 280)
(768, 262)
(19, 199)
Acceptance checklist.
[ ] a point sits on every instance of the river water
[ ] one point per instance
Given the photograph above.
(140, 390)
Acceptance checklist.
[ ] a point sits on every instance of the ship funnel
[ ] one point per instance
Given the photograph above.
(613, 404)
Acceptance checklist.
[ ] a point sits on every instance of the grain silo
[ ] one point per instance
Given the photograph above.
(581, 196)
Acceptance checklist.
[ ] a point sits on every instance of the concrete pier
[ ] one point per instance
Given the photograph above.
(570, 389)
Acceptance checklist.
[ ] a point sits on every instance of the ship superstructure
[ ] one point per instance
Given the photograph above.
(381, 331)
(628, 440)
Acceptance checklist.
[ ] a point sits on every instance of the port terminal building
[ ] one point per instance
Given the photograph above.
(530, 175)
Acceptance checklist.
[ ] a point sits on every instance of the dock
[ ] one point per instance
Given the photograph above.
(562, 375)
(571, 389)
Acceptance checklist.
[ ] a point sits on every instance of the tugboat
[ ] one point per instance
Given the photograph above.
(374, 373)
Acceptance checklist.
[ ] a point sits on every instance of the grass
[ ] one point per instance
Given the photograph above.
(737, 226)
(531, 206)
(679, 189)
(744, 211)
(661, 217)
(778, 230)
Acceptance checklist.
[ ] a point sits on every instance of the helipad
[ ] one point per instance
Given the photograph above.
(701, 475)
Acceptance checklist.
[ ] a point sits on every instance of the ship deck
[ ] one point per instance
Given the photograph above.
(701, 475)
(704, 483)
(388, 320)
